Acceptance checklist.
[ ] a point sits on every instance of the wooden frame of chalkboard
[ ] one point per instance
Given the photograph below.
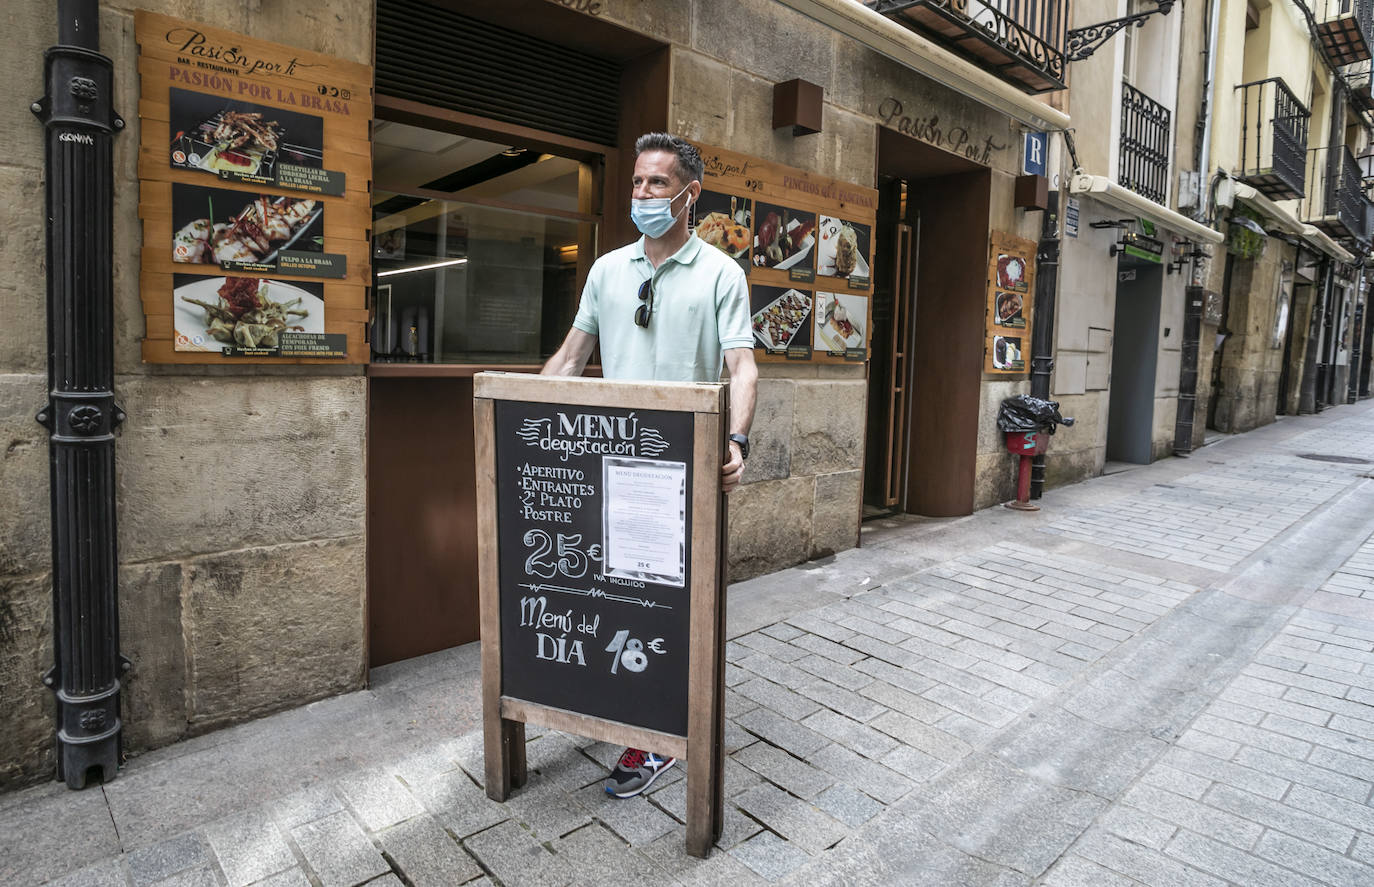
(576, 472)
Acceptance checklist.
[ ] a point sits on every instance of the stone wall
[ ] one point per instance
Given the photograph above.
(1247, 396)
(240, 493)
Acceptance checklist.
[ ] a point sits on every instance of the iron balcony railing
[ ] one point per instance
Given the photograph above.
(1020, 41)
(1345, 29)
(1335, 203)
(1144, 159)
(1273, 139)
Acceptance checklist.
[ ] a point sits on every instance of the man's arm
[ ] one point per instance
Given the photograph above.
(744, 381)
(571, 357)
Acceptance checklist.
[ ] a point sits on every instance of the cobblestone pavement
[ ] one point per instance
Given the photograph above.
(1165, 677)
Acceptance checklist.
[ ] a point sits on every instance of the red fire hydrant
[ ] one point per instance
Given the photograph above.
(1024, 444)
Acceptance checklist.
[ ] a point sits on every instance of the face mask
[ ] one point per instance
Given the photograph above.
(653, 216)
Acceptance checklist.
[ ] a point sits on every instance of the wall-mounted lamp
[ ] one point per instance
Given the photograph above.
(797, 103)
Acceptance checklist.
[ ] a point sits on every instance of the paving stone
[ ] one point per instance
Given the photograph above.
(378, 798)
(1316, 862)
(736, 704)
(1231, 864)
(1283, 817)
(797, 821)
(548, 812)
(848, 805)
(1138, 827)
(306, 805)
(912, 764)
(781, 769)
(1232, 773)
(842, 700)
(1357, 815)
(295, 877)
(1139, 863)
(422, 765)
(1177, 781)
(427, 854)
(815, 624)
(106, 873)
(1075, 871)
(904, 701)
(200, 876)
(783, 632)
(932, 741)
(604, 859)
(249, 847)
(770, 856)
(635, 820)
(554, 758)
(853, 735)
(778, 698)
(459, 803)
(771, 646)
(836, 673)
(669, 853)
(789, 735)
(827, 649)
(1221, 824)
(515, 856)
(152, 864)
(337, 851)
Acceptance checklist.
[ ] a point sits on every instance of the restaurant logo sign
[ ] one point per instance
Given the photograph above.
(955, 139)
(590, 7)
(199, 50)
(583, 434)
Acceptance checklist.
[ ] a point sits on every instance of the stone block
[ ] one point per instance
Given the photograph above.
(851, 147)
(156, 863)
(249, 847)
(23, 249)
(751, 115)
(797, 821)
(759, 542)
(428, 856)
(26, 734)
(770, 856)
(828, 431)
(670, 22)
(994, 479)
(770, 437)
(25, 546)
(784, 44)
(338, 851)
(271, 627)
(701, 97)
(839, 500)
(151, 637)
(341, 28)
(378, 799)
(208, 464)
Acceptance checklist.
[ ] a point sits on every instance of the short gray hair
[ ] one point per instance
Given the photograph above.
(689, 165)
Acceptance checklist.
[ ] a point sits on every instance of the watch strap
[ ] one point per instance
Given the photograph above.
(743, 441)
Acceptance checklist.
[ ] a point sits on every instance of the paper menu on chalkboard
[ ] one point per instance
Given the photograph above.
(645, 519)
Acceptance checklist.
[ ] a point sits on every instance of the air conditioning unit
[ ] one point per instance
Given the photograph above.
(1189, 189)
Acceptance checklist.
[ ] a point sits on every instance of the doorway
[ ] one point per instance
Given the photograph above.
(925, 376)
(1135, 359)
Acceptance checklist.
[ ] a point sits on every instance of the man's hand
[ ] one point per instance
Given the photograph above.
(732, 470)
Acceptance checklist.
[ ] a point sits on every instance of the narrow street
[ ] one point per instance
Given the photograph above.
(1164, 677)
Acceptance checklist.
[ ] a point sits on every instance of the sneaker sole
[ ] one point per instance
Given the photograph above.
(648, 782)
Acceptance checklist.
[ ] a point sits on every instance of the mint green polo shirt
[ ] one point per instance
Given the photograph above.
(701, 309)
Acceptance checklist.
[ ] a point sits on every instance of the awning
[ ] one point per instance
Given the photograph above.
(1104, 190)
(1317, 237)
(1280, 216)
(908, 48)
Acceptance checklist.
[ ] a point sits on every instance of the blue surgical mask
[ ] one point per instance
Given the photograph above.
(653, 216)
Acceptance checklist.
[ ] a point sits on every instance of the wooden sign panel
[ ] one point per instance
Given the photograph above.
(1011, 290)
(806, 243)
(601, 526)
(254, 169)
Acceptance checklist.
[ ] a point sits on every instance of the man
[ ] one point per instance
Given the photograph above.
(666, 308)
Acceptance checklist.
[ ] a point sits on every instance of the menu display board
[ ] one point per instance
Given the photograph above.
(592, 511)
(806, 244)
(601, 528)
(254, 168)
(1011, 285)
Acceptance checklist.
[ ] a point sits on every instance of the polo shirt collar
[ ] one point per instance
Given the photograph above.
(684, 256)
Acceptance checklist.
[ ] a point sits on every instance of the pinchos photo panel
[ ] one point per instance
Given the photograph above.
(246, 231)
(781, 321)
(237, 316)
(785, 240)
(1011, 283)
(841, 326)
(722, 221)
(843, 251)
(240, 140)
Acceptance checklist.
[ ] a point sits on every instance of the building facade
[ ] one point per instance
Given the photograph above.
(283, 525)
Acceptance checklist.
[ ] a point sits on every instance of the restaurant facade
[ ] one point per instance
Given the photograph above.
(416, 191)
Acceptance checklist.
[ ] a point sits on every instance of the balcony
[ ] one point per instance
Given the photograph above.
(1344, 28)
(1358, 79)
(1020, 41)
(1335, 202)
(1144, 160)
(1273, 139)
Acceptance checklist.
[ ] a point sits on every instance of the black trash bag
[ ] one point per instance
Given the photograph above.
(1026, 413)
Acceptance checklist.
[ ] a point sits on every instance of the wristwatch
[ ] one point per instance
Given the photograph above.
(743, 441)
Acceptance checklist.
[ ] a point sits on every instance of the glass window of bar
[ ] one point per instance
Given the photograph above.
(477, 248)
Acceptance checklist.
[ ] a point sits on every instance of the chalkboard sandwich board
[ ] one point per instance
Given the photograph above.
(600, 522)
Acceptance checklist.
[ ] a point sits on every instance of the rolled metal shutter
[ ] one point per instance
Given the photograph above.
(436, 56)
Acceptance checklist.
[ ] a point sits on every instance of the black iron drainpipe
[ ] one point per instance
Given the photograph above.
(78, 115)
(1042, 333)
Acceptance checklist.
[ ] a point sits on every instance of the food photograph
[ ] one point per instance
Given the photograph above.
(1009, 310)
(211, 313)
(213, 134)
(1011, 272)
(215, 225)
(780, 317)
(841, 319)
(722, 220)
(842, 250)
(1006, 353)
(784, 238)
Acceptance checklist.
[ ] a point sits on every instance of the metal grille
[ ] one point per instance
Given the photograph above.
(1273, 138)
(1144, 161)
(438, 57)
(1335, 203)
